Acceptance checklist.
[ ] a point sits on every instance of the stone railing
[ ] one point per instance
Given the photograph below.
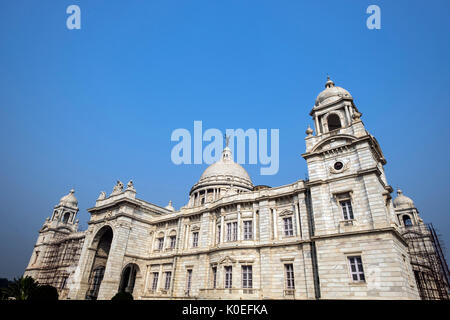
(230, 293)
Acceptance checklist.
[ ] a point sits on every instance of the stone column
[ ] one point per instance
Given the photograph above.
(254, 225)
(316, 120)
(186, 237)
(214, 227)
(274, 221)
(297, 218)
(160, 278)
(222, 222)
(303, 213)
(239, 222)
(146, 280)
(347, 113)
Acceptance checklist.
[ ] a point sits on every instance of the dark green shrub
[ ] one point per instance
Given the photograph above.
(44, 293)
(21, 289)
(122, 296)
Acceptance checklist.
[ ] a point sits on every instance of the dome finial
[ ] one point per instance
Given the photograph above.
(169, 206)
(226, 153)
(329, 82)
(69, 199)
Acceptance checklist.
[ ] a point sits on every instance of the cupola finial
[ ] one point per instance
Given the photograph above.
(329, 82)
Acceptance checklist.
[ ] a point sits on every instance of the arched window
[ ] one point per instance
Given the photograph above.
(407, 221)
(66, 217)
(128, 279)
(102, 242)
(333, 122)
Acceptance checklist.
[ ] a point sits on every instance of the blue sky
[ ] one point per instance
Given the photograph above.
(83, 108)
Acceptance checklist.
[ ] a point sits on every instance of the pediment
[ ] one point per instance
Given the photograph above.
(227, 260)
(286, 212)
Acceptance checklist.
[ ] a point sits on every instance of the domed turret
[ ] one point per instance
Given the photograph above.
(69, 200)
(169, 206)
(403, 201)
(332, 94)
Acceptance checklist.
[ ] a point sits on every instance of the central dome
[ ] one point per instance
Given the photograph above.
(225, 167)
(224, 172)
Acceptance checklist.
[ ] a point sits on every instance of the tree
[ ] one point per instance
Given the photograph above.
(21, 288)
(122, 296)
(3, 295)
(44, 293)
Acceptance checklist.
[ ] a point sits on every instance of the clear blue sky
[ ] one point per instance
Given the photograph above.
(83, 108)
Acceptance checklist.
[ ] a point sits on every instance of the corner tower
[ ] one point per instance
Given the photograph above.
(61, 224)
(345, 160)
(354, 228)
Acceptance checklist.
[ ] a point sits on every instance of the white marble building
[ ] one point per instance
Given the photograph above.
(334, 236)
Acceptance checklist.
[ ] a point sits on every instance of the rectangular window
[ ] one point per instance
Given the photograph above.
(247, 277)
(232, 231)
(160, 244)
(288, 229)
(356, 268)
(248, 230)
(214, 277)
(229, 230)
(195, 239)
(173, 241)
(235, 231)
(168, 278)
(347, 210)
(155, 281)
(228, 277)
(188, 281)
(289, 269)
(218, 233)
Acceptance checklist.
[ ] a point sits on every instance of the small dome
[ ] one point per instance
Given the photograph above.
(225, 172)
(332, 93)
(69, 200)
(170, 207)
(403, 201)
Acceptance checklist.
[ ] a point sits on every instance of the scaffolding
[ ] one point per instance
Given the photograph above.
(60, 257)
(428, 262)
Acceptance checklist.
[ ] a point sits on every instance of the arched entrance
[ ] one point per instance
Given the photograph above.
(102, 241)
(128, 279)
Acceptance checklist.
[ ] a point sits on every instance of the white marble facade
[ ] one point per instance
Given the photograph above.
(334, 236)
